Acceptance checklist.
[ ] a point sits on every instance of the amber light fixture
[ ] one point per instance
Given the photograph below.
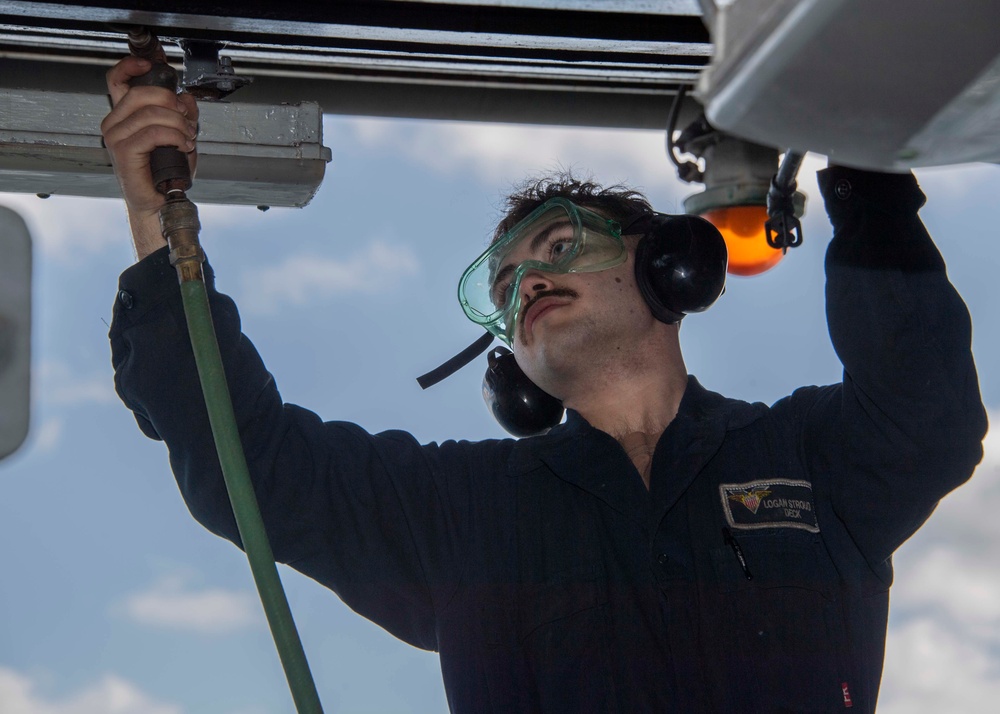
(742, 227)
(737, 176)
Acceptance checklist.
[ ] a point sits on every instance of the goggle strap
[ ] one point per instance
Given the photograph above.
(629, 222)
(457, 362)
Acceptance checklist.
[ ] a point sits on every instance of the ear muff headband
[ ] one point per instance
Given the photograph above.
(680, 268)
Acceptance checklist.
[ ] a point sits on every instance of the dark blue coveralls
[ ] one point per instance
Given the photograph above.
(752, 577)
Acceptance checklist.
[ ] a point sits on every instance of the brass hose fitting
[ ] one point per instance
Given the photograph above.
(180, 226)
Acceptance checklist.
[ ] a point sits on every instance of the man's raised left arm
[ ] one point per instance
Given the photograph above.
(907, 423)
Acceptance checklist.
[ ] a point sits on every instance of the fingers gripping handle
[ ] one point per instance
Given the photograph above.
(171, 173)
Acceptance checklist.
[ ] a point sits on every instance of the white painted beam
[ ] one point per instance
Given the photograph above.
(50, 143)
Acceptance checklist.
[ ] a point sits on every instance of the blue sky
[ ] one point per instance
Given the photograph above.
(113, 600)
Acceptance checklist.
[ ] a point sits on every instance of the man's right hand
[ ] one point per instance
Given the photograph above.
(141, 119)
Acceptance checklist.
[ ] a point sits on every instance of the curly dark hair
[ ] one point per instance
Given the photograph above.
(617, 202)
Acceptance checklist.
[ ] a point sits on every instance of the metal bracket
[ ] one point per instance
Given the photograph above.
(207, 75)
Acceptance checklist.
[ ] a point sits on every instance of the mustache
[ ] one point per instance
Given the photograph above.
(554, 292)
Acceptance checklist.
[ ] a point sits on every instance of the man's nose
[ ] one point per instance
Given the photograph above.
(535, 282)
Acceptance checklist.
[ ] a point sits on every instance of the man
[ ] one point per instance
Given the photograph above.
(666, 549)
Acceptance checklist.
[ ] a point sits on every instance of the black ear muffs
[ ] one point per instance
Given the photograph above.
(680, 263)
(518, 404)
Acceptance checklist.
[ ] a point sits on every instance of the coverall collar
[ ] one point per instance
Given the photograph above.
(595, 462)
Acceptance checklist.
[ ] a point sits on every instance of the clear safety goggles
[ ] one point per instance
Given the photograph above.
(557, 237)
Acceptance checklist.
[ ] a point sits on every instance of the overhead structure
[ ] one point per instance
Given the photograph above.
(888, 85)
(885, 85)
(571, 62)
(614, 63)
(256, 154)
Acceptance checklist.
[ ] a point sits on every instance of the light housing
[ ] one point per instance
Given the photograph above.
(742, 227)
(737, 176)
(248, 154)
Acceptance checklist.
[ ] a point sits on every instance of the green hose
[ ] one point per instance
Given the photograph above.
(243, 499)
(179, 224)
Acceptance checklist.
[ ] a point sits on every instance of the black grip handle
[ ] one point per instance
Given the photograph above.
(170, 169)
(168, 164)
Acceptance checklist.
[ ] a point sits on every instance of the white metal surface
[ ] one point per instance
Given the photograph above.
(50, 143)
(572, 62)
(886, 85)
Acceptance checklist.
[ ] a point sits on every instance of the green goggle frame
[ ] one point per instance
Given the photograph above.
(563, 238)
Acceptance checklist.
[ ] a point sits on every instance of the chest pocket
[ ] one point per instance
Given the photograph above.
(784, 645)
(779, 558)
(563, 628)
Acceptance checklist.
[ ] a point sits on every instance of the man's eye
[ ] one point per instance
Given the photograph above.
(559, 247)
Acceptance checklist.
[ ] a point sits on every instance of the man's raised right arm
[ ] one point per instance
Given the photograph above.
(141, 119)
(380, 519)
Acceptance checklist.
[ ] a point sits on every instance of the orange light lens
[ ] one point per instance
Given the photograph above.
(742, 228)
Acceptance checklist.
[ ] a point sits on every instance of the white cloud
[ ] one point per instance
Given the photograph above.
(169, 604)
(63, 227)
(301, 278)
(958, 587)
(943, 649)
(216, 216)
(966, 520)
(46, 437)
(55, 385)
(933, 668)
(110, 695)
(59, 386)
(500, 154)
(952, 183)
(991, 444)
(508, 152)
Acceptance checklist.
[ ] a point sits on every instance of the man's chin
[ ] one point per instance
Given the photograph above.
(551, 356)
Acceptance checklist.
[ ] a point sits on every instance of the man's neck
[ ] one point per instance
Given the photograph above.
(646, 405)
(635, 411)
(625, 402)
(620, 383)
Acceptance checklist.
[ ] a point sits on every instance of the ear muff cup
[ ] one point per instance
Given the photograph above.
(520, 406)
(680, 264)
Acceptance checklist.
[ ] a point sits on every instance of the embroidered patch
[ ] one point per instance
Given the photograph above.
(775, 503)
